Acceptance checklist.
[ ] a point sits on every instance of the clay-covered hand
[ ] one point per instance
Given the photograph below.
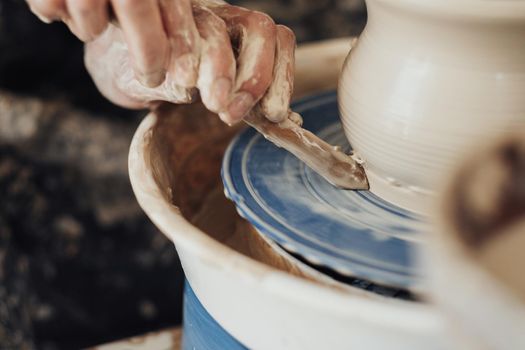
(168, 50)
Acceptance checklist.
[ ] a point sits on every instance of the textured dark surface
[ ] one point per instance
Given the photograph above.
(82, 261)
(80, 264)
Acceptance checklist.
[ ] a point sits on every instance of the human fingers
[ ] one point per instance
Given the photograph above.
(107, 60)
(48, 10)
(276, 103)
(143, 29)
(183, 37)
(90, 17)
(254, 35)
(217, 64)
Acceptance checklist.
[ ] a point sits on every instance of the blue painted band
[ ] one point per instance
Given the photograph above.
(201, 330)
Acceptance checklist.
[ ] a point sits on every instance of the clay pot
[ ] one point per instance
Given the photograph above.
(239, 290)
(426, 80)
(256, 302)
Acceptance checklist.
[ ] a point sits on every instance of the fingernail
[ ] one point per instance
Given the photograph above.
(240, 106)
(40, 16)
(225, 117)
(151, 79)
(185, 68)
(44, 19)
(220, 93)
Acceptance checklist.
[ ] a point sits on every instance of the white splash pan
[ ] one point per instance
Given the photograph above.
(265, 308)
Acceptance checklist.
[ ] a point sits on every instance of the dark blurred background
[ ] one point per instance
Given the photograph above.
(80, 264)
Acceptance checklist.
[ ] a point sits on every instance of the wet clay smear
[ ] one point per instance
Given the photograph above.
(330, 162)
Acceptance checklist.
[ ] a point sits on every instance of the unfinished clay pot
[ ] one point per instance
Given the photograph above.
(425, 81)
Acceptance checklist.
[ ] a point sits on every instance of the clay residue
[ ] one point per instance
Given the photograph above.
(186, 150)
(185, 154)
(336, 167)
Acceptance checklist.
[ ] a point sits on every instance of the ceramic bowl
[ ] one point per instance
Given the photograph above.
(261, 306)
(425, 81)
(475, 258)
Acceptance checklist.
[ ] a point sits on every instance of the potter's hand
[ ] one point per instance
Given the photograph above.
(162, 50)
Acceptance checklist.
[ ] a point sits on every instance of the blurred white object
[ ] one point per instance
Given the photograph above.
(425, 81)
(475, 258)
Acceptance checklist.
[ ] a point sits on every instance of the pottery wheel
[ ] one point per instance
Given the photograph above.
(354, 233)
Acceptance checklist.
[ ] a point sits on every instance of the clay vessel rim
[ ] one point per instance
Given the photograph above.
(467, 9)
